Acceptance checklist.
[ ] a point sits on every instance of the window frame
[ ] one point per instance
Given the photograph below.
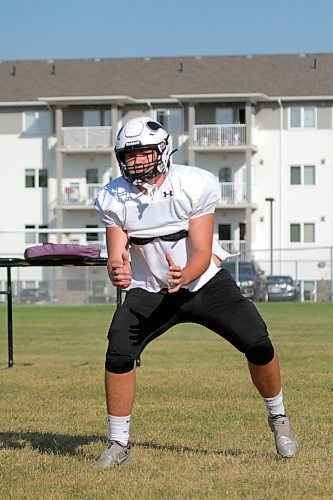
(38, 132)
(314, 175)
(302, 174)
(92, 112)
(301, 226)
(313, 226)
(294, 224)
(293, 168)
(32, 177)
(302, 114)
(38, 173)
(36, 177)
(166, 113)
(36, 237)
(30, 238)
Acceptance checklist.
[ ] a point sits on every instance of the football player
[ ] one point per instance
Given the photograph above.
(159, 220)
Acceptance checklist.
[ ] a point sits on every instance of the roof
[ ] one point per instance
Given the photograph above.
(164, 77)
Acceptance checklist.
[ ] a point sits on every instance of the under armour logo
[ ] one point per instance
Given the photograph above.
(165, 194)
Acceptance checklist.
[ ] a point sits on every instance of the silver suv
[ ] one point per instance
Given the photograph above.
(249, 277)
(282, 288)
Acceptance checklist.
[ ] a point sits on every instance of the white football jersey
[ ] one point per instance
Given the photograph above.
(186, 193)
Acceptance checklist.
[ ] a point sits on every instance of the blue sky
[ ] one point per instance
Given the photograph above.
(65, 29)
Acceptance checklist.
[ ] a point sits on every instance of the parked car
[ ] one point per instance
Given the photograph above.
(33, 296)
(249, 277)
(281, 288)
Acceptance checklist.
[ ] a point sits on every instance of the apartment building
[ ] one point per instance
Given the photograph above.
(262, 124)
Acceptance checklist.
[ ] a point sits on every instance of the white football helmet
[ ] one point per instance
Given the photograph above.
(143, 133)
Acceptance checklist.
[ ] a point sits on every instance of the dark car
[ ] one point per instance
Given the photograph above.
(249, 277)
(33, 296)
(281, 288)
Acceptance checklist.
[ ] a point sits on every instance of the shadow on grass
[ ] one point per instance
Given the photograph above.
(187, 449)
(46, 442)
(60, 444)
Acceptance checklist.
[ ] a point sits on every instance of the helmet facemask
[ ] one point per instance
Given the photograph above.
(143, 135)
(140, 173)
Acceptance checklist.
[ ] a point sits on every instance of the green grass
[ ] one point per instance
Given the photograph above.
(199, 429)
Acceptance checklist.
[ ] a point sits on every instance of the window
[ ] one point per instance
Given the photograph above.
(43, 237)
(295, 233)
(107, 118)
(295, 117)
(42, 178)
(225, 174)
(29, 177)
(309, 233)
(224, 232)
(303, 174)
(224, 116)
(295, 175)
(92, 176)
(309, 175)
(171, 119)
(309, 117)
(91, 236)
(31, 237)
(302, 232)
(37, 122)
(309, 290)
(242, 231)
(91, 118)
(302, 117)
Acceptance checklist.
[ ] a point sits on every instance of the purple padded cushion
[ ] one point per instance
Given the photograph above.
(58, 251)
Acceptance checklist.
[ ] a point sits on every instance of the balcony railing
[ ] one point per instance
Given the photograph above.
(86, 138)
(98, 244)
(82, 240)
(219, 135)
(233, 193)
(80, 194)
(234, 247)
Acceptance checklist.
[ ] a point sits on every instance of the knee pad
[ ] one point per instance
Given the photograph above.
(261, 353)
(119, 363)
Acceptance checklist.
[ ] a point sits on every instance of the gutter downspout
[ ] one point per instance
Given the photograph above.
(280, 245)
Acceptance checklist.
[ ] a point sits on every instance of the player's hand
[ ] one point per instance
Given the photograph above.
(175, 278)
(120, 274)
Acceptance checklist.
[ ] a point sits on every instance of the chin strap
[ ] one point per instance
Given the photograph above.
(151, 189)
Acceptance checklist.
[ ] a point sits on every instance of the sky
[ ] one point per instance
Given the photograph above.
(67, 29)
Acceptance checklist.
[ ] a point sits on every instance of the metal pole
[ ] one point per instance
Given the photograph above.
(10, 318)
(271, 230)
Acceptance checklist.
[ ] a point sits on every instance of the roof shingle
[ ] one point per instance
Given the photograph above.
(158, 78)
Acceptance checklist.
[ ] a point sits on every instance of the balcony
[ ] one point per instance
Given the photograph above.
(82, 239)
(89, 139)
(233, 193)
(79, 195)
(235, 247)
(222, 137)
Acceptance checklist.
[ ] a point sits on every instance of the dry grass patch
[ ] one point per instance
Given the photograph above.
(199, 429)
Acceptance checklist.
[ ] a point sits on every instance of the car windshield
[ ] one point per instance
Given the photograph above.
(279, 280)
(244, 267)
(28, 293)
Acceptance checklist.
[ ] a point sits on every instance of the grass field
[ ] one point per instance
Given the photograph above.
(199, 429)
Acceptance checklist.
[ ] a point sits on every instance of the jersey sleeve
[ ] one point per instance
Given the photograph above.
(209, 196)
(108, 217)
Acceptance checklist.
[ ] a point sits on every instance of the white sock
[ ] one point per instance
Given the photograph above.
(119, 429)
(275, 405)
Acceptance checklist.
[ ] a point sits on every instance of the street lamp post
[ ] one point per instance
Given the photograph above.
(270, 200)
